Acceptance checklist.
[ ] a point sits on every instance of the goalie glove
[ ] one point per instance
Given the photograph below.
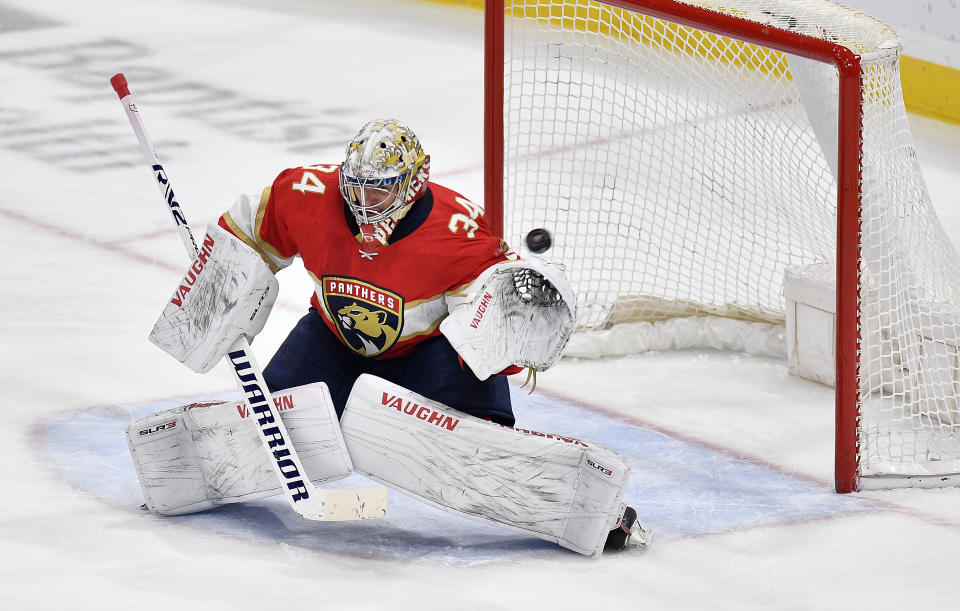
(515, 313)
(228, 291)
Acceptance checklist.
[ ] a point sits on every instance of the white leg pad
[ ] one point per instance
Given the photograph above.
(551, 487)
(198, 456)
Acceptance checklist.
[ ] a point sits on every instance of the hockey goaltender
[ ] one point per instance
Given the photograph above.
(397, 370)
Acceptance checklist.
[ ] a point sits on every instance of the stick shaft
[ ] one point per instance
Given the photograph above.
(119, 83)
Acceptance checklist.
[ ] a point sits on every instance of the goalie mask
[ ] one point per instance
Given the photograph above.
(384, 172)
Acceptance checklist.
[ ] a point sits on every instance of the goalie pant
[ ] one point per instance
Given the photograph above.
(562, 490)
(312, 353)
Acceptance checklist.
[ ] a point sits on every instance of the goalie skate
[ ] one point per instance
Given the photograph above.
(628, 533)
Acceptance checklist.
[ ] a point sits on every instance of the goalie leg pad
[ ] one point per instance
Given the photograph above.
(555, 488)
(199, 456)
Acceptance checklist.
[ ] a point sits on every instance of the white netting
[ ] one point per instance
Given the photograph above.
(682, 172)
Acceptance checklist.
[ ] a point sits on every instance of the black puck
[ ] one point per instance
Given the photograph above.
(539, 240)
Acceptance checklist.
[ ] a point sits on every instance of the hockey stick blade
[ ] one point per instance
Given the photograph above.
(306, 499)
(359, 504)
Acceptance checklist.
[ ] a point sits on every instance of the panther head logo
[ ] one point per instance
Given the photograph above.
(366, 328)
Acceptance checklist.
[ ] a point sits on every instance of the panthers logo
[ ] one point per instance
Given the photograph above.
(368, 318)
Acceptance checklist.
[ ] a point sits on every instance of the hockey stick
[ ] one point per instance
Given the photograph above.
(305, 498)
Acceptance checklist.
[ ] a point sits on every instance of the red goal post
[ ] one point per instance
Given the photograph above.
(515, 29)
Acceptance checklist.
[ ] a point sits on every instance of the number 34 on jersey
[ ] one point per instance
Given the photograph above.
(465, 221)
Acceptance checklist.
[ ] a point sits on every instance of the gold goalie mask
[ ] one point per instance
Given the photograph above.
(385, 170)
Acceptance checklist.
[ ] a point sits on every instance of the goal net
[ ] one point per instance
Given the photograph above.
(686, 155)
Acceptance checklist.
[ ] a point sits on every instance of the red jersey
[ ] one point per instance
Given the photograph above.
(379, 305)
